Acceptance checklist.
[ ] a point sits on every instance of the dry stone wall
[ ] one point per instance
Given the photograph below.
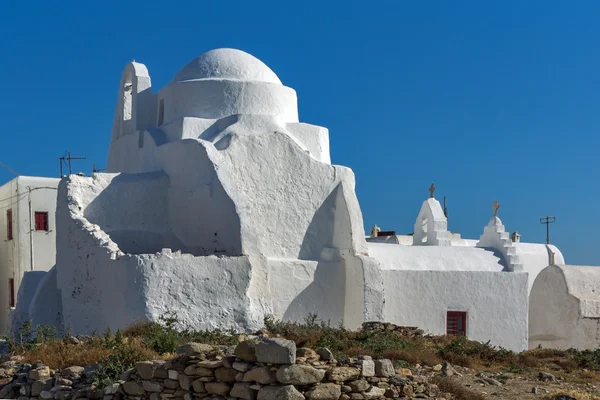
(256, 369)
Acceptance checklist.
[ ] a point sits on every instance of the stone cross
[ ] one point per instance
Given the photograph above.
(431, 190)
(495, 207)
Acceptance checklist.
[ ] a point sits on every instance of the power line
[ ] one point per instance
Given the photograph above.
(6, 167)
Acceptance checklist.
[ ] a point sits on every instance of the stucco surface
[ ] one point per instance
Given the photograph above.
(535, 257)
(227, 64)
(495, 302)
(564, 308)
(436, 258)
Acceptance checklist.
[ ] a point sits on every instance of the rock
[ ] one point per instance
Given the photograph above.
(492, 381)
(193, 370)
(534, 390)
(4, 392)
(367, 368)
(325, 354)
(241, 366)
(384, 368)
(447, 369)
(60, 381)
(210, 364)
(243, 391)
(262, 375)
(184, 381)
(359, 385)
(38, 387)
(246, 350)
(564, 397)
(276, 351)
(39, 373)
(73, 372)
(194, 349)
(198, 386)
(325, 391)
(132, 388)
(218, 388)
(546, 377)
(437, 368)
(223, 374)
(145, 369)
(111, 389)
(150, 386)
(342, 374)
(374, 393)
(171, 384)
(172, 374)
(279, 393)
(299, 375)
(46, 395)
(305, 352)
(405, 372)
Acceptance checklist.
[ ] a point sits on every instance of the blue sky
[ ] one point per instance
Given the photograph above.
(489, 100)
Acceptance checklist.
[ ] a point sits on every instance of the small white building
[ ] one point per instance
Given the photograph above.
(27, 233)
(565, 308)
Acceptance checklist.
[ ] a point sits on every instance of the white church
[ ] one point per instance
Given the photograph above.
(219, 204)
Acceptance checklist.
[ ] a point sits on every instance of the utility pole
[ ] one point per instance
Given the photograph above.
(547, 220)
(67, 161)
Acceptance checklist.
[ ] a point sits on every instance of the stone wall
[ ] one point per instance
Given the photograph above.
(256, 369)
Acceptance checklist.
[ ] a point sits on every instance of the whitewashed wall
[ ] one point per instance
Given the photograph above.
(29, 250)
(495, 302)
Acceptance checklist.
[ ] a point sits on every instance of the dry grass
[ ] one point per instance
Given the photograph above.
(414, 356)
(448, 385)
(57, 354)
(572, 393)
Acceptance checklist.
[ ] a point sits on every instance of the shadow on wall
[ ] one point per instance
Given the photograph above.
(329, 228)
(324, 297)
(132, 210)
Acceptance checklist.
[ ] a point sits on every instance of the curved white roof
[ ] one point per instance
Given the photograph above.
(435, 258)
(227, 64)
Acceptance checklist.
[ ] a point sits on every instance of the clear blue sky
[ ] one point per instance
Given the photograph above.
(489, 100)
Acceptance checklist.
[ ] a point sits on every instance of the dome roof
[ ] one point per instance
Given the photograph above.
(227, 64)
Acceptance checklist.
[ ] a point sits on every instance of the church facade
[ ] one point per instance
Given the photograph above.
(218, 203)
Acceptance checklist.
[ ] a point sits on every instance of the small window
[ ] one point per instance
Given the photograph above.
(41, 221)
(11, 292)
(456, 323)
(161, 112)
(9, 224)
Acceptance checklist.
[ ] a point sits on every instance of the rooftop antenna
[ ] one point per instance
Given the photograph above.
(547, 220)
(67, 161)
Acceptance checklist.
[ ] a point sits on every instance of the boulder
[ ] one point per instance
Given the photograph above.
(299, 375)
(325, 391)
(145, 369)
(288, 392)
(194, 349)
(359, 385)
(276, 351)
(342, 374)
(223, 374)
(217, 388)
(384, 368)
(325, 354)
(243, 391)
(262, 375)
(246, 350)
(132, 388)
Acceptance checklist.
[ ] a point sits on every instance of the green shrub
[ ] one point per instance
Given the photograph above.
(115, 364)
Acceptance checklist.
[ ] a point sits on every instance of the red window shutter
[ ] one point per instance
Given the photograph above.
(9, 224)
(11, 292)
(41, 221)
(456, 323)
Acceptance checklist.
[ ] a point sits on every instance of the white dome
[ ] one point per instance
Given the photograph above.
(227, 64)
